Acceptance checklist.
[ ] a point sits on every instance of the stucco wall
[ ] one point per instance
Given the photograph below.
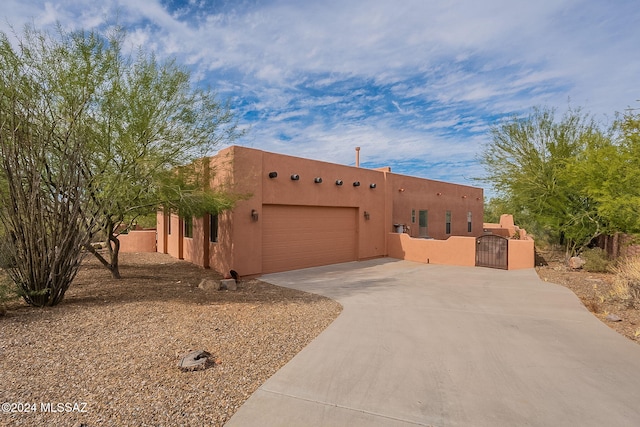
(455, 250)
(239, 244)
(138, 241)
(175, 239)
(306, 192)
(161, 225)
(521, 254)
(246, 171)
(436, 197)
(194, 247)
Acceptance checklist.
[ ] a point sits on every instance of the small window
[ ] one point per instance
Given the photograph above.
(413, 216)
(469, 221)
(448, 223)
(213, 227)
(169, 222)
(423, 229)
(188, 227)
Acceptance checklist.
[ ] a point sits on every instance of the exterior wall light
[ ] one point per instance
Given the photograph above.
(356, 184)
(367, 216)
(464, 197)
(438, 194)
(401, 190)
(317, 180)
(254, 214)
(338, 182)
(273, 175)
(295, 177)
(372, 185)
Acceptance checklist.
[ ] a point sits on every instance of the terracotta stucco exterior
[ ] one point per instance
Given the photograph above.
(375, 207)
(138, 241)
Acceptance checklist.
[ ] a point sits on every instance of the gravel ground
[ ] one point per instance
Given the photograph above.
(109, 351)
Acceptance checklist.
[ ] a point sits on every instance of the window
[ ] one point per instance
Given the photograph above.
(413, 216)
(423, 230)
(448, 223)
(188, 227)
(469, 221)
(169, 222)
(213, 227)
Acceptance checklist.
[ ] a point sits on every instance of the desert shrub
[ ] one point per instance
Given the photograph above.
(626, 284)
(596, 260)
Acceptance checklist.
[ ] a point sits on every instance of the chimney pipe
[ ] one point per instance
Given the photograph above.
(357, 157)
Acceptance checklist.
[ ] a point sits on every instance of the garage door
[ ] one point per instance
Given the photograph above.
(307, 236)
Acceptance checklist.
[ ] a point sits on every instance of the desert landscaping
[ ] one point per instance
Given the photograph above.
(114, 345)
(111, 348)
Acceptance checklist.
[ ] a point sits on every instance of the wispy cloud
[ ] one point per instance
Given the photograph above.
(417, 84)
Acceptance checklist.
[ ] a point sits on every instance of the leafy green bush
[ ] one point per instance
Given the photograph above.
(596, 260)
(626, 284)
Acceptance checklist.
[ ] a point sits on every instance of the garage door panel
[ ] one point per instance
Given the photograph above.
(304, 236)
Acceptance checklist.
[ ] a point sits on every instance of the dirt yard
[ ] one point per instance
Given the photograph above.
(110, 349)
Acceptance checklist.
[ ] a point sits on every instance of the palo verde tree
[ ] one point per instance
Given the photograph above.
(42, 185)
(147, 131)
(128, 128)
(608, 171)
(530, 163)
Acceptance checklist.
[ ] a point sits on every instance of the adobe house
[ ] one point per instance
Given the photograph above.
(305, 213)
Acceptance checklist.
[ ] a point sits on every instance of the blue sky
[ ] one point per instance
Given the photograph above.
(416, 83)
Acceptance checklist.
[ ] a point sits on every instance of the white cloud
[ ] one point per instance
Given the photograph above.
(404, 80)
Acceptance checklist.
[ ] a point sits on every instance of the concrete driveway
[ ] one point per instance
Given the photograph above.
(433, 345)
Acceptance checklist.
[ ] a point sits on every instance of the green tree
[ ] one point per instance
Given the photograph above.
(609, 172)
(494, 208)
(128, 128)
(528, 162)
(629, 127)
(148, 130)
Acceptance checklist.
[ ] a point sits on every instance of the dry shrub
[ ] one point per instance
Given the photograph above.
(626, 284)
(596, 260)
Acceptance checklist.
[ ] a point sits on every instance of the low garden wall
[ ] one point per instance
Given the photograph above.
(138, 241)
(456, 250)
(521, 254)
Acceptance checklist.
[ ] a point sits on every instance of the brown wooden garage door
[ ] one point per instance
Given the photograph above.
(307, 236)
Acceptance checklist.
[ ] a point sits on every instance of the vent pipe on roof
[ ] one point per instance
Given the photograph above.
(357, 157)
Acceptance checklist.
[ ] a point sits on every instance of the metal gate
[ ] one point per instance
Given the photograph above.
(492, 251)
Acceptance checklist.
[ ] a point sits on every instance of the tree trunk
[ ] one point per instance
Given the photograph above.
(111, 264)
(115, 268)
(113, 246)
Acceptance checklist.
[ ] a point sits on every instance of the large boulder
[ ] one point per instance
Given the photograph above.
(576, 263)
